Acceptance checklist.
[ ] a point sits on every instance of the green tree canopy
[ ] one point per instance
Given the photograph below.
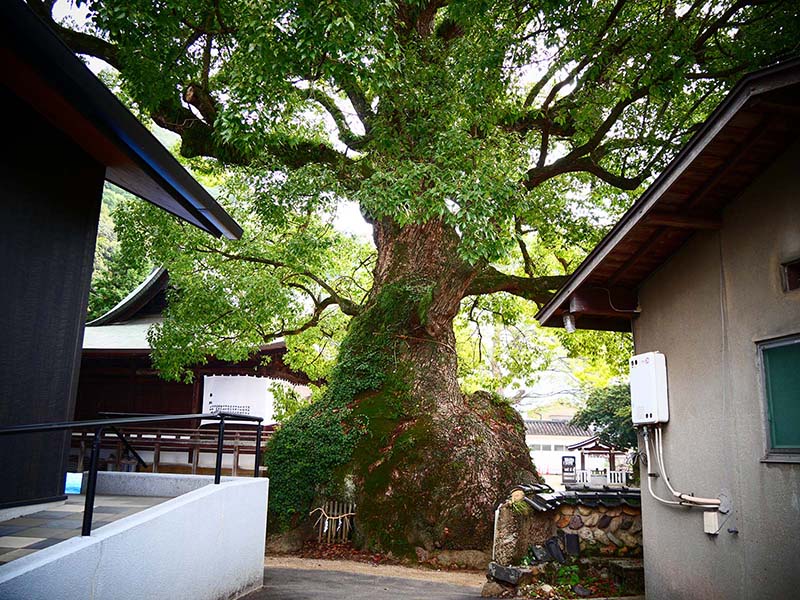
(116, 272)
(520, 127)
(608, 413)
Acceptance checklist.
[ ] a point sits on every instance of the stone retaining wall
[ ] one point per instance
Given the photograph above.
(602, 530)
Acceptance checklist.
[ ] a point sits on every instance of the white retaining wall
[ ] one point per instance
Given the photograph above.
(207, 544)
(165, 485)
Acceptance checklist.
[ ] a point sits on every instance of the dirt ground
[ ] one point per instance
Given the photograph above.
(464, 578)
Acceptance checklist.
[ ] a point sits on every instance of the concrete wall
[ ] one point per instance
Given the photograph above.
(705, 310)
(205, 545)
(164, 485)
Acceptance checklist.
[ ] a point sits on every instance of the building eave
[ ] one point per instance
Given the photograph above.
(40, 69)
(748, 96)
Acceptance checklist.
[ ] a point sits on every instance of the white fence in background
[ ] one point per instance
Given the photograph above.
(604, 478)
(616, 477)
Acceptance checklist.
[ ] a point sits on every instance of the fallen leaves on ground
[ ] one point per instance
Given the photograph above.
(347, 552)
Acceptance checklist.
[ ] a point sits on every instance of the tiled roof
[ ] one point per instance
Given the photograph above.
(555, 428)
(541, 497)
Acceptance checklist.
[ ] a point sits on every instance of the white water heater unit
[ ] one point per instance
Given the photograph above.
(649, 398)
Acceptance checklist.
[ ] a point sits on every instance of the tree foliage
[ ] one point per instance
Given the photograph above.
(285, 402)
(116, 272)
(520, 125)
(488, 142)
(608, 413)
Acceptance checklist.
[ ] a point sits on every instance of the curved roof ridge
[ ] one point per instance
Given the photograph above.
(127, 308)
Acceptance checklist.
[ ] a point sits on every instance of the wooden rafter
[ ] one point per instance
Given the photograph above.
(680, 221)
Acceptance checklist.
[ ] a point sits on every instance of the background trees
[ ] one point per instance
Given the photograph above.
(116, 272)
(487, 143)
(608, 413)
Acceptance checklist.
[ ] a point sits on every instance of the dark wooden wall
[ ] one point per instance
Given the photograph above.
(128, 383)
(50, 195)
(120, 381)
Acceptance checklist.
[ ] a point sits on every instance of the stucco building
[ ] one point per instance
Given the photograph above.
(705, 268)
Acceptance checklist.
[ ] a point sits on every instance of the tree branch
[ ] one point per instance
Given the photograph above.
(537, 289)
(346, 305)
(418, 17)
(523, 248)
(539, 175)
(349, 84)
(79, 42)
(313, 321)
(612, 16)
(350, 138)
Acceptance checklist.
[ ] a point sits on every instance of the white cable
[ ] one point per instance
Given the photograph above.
(659, 450)
(650, 479)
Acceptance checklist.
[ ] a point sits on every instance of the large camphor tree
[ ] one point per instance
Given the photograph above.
(480, 139)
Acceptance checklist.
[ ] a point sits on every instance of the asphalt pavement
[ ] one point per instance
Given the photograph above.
(313, 584)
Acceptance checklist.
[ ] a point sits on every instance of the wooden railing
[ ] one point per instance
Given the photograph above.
(169, 439)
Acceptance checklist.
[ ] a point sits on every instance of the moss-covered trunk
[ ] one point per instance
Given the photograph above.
(433, 462)
(428, 463)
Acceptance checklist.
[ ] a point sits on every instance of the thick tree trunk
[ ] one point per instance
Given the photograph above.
(432, 462)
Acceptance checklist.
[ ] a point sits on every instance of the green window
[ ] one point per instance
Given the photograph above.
(781, 364)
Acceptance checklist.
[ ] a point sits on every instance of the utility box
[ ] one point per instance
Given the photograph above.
(649, 400)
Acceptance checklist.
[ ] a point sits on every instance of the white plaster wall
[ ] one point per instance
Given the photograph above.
(549, 462)
(705, 309)
(205, 545)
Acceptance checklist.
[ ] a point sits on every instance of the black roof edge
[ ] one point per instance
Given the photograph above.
(141, 295)
(64, 70)
(755, 83)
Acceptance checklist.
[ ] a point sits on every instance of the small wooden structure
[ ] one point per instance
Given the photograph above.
(334, 522)
(594, 447)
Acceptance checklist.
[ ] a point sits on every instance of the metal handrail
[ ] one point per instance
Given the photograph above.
(100, 424)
